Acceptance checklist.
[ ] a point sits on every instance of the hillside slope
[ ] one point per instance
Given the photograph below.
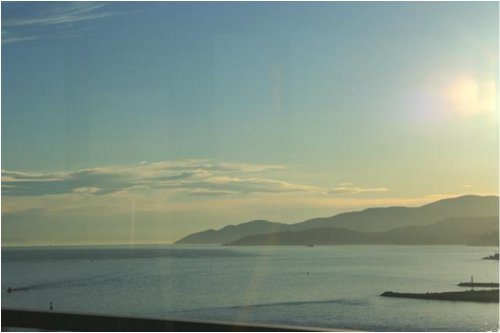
(368, 220)
(232, 232)
(452, 231)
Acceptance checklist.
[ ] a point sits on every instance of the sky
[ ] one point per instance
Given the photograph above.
(128, 122)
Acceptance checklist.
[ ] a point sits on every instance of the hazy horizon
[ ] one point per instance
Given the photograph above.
(163, 242)
(141, 123)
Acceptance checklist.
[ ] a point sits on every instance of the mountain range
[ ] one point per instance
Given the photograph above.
(460, 220)
(452, 231)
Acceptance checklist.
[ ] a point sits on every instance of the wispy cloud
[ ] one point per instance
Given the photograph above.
(14, 39)
(195, 177)
(209, 193)
(195, 164)
(349, 188)
(65, 14)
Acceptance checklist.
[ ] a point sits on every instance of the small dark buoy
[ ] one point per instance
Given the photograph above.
(51, 307)
(9, 290)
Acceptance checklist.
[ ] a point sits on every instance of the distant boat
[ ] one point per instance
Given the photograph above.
(310, 245)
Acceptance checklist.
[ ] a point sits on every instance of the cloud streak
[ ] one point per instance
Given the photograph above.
(69, 13)
(21, 29)
(12, 39)
(194, 177)
(349, 188)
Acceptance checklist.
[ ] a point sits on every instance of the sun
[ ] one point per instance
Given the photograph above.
(469, 96)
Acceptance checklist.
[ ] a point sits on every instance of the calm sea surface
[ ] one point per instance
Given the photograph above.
(326, 286)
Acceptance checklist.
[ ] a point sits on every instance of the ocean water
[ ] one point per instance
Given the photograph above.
(322, 286)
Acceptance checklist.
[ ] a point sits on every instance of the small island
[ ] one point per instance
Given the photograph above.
(484, 296)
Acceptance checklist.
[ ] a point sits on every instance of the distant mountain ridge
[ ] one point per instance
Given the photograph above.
(368, 220)
(387, 218)
(232, 232)
(452, 231)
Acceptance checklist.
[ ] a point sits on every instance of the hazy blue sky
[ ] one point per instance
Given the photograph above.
(146, 121)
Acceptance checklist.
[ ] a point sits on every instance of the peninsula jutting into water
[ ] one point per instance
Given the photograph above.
(478, 284)
(492, 257)
(483, 296)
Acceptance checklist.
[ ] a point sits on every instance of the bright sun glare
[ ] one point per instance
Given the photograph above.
(469, 96)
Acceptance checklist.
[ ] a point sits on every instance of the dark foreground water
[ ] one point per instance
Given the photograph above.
(326, 286)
